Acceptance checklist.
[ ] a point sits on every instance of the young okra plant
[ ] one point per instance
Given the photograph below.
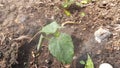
(60, 44)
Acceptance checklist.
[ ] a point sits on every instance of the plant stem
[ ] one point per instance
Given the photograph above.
(40, 42)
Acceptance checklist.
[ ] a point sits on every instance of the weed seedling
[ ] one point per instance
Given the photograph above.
(68, 3)
(88, 63)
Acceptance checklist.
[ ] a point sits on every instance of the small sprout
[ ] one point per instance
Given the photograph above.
(89, 62)
(67, 3)
(82, 62)
(84, 1)
(60, 44)
(82, 14)
(67, 12)
(78, 3)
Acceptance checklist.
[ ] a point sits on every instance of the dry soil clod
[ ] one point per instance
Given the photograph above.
(102, 35)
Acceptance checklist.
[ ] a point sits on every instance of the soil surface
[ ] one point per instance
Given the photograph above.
(21, 20)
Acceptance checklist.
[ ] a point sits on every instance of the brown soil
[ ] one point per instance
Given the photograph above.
(20, 20)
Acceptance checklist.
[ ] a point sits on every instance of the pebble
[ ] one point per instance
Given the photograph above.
(105, 65)
(102, 35)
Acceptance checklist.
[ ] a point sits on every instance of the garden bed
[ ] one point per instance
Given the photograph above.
(20, 22)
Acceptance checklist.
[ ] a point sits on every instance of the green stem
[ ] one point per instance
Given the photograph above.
(57, 33)
(40, 42)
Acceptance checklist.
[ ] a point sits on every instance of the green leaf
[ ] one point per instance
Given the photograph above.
(82, 14)
(78, 4)
(67, 12)
(85, 1)
(89, 63)
(82, 62)
(50, 28)
(67, 3)
(62, 48)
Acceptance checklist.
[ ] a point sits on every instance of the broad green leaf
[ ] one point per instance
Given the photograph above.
(50, 28)
(82, 62)
(62, 48)
(89, 63)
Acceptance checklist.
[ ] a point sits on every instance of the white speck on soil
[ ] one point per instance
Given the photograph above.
(105, 65)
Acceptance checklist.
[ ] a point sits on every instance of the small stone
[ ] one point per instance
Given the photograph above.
(105, 65)
(102, 35)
